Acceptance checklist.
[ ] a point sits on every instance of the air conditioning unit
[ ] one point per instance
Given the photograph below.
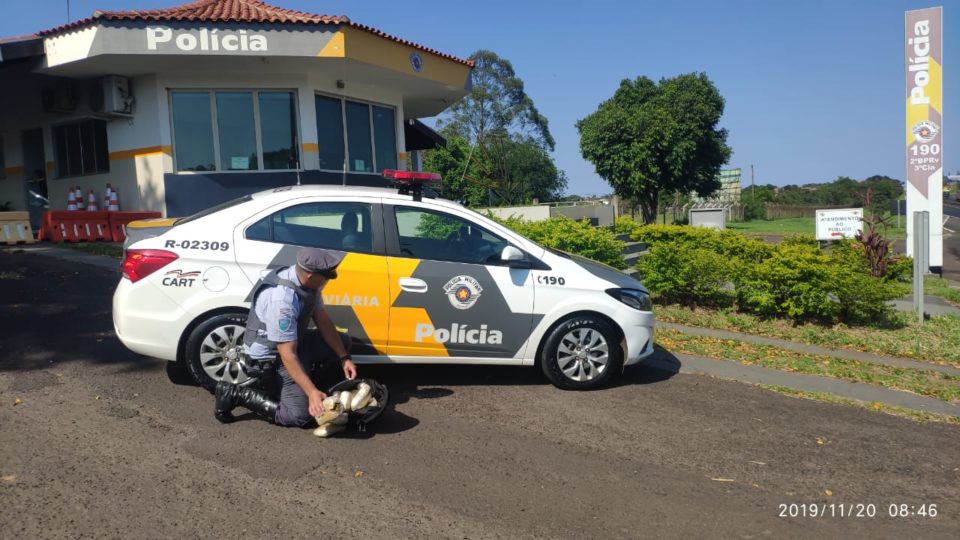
(60, 97)
(111, 95)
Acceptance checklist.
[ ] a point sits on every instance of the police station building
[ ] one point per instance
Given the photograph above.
(182, 108)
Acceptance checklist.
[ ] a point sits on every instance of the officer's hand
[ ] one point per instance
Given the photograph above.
(349, 369)
(315, 402)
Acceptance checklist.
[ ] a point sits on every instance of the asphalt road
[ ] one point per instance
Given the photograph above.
(104, 445)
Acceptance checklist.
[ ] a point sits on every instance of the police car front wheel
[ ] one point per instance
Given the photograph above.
(214, 351)
(581, 353)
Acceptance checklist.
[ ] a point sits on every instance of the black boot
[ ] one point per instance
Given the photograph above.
(229, 396)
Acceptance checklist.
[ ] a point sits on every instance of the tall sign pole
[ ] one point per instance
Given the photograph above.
(923, 42)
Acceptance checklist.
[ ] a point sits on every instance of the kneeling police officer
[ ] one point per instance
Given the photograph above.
(283, 304)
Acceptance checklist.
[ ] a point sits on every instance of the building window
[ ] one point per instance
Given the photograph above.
(193, 131)
(235, 130)
(81, 148)
(358, 137)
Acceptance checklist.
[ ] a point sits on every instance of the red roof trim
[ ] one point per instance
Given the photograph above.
(243, 11)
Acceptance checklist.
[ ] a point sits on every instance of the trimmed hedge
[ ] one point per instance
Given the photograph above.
(792, 279)
(577, 237)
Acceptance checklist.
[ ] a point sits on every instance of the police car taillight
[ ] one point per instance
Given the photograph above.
(140, 263)
(410, 182)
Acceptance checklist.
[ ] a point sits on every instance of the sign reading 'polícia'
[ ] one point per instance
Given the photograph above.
(205, 40)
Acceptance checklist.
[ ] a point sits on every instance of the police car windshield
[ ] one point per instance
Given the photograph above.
(213, 209)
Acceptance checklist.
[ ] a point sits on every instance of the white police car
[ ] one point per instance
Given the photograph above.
(424, 281)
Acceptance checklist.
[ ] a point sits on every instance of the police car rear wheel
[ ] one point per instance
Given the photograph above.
(581, 353)
(214, 351)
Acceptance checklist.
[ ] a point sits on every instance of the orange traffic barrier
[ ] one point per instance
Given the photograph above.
(15, 228)
(60, 226)
(120, 219)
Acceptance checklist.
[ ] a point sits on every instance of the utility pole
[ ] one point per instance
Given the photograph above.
(753, 190)
(68, 11)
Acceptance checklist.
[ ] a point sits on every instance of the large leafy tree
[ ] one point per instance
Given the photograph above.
(497, 104)
(654, 137)
(459, 178)
(507, 139)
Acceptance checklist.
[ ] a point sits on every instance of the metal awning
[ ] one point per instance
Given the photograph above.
(419, 136)
(18, 48)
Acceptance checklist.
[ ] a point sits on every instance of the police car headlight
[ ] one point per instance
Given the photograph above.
(634, 298)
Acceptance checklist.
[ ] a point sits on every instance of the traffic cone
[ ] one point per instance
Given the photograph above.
(106, 195)
(114, 202)
(79, 196)
(91, 202)
(71, 200)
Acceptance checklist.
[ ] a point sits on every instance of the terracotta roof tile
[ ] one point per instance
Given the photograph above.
(247, 11)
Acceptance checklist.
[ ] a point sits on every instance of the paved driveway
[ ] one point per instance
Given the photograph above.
(103, 444)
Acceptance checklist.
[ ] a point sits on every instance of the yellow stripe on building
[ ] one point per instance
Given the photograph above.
(335, 48)
(311, 147)
(362, 46)
(141, 152)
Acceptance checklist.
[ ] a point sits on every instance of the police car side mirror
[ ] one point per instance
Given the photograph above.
(514, 258)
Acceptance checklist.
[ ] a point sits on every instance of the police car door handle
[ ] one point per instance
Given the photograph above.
(413, 285)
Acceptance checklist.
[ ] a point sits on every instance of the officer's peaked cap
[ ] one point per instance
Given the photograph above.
(318, 260)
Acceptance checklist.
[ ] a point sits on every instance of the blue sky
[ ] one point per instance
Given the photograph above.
(814, 89)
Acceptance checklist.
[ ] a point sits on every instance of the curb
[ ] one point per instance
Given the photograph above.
(735, 371)
(812, 349)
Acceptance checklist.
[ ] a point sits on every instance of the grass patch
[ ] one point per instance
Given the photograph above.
(936, 341)
(777, 227)
(937, 286)
(929, 383)
(97, 248)
(917, 416)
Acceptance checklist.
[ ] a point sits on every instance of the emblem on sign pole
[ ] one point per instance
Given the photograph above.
(925, 131)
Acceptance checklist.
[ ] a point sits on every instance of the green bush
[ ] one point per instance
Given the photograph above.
(684, 274)
(794, 282)
(803, 283)
(726, 243)
(899, 269)
(800, 239)
(792, 279)
(625, 225)
(577, 237)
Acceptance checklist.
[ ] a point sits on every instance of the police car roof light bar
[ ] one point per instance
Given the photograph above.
(410, 182)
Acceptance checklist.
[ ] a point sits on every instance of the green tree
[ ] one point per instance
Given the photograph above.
(508, 139)
(460, 180)
(497, 103)
(653, 137)
(755, 200)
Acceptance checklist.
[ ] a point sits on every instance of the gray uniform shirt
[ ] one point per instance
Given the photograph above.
(278, 308)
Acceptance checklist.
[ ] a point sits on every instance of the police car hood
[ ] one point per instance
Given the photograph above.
(602, 271)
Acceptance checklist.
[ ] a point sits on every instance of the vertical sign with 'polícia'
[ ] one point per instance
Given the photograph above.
(923, 39)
